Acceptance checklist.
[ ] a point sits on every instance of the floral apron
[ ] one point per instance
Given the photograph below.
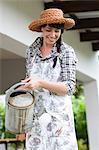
(53, 125)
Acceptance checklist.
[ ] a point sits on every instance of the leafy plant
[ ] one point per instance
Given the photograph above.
(3, 132)
(79, 108)
(82, 145)
(2, 119)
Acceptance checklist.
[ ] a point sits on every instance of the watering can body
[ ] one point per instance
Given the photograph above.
(19, 110)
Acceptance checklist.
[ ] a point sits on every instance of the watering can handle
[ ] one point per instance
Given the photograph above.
(11, 89)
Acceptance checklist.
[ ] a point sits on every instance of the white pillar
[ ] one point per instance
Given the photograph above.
(92, 109)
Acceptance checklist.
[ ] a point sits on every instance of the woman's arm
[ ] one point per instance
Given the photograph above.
(35, 84)
(68, 68)
(58, 88)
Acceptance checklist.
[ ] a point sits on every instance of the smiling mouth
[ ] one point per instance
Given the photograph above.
(52, 40)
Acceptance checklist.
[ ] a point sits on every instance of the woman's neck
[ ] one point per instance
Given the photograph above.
(46, 50)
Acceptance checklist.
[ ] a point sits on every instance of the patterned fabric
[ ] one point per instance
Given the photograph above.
(53, 125)
(68, 62)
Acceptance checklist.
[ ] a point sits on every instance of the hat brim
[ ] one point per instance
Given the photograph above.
(36, 24)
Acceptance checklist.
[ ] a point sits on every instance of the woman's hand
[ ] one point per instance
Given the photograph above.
(35, 84)
(30, 84)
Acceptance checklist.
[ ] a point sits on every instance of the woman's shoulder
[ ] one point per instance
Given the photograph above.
(34, 46)
(65, 48)
(35, 43)
(67, 51)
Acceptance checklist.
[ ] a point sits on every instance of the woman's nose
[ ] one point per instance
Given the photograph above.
(53, 34)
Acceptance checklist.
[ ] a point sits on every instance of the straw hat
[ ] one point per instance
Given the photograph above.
(49, 16)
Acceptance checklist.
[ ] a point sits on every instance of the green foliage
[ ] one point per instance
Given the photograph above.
(8, 134)
(3, 132)
(79, 109)
(2, 119)
(82, 145)
(79, 90)
(80, 117)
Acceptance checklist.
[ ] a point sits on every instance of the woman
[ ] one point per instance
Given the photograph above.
(51, 67)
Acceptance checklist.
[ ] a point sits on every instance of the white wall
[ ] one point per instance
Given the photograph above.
(88, 60)
(92, 103)
(16, 15)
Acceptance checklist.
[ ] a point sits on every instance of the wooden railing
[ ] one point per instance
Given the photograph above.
(12, 140)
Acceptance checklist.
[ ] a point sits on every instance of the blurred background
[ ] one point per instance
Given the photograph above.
(15, 16)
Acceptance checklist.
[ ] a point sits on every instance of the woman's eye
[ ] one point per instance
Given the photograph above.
(56, 31)
(48, 30)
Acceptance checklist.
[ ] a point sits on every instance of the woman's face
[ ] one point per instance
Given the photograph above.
(50, 35)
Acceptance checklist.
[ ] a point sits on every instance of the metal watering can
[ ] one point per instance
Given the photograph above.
(19, 110)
